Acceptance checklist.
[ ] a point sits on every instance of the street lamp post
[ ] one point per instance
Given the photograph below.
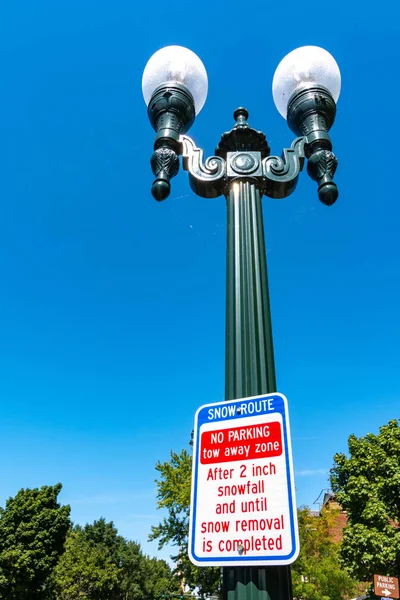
(306, 86)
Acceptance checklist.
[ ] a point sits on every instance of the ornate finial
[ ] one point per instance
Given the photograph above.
(242, 137)
(321, 167)
(241, 115)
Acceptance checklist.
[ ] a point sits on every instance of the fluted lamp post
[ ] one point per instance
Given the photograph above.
(305, 87)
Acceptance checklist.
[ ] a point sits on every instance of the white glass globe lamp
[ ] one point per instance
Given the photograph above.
(176, 64)
(305, 67)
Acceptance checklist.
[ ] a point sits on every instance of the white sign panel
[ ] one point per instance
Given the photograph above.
(243, 508)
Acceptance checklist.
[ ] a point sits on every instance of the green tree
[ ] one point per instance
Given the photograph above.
(173, 494)
(33, 528)
(85, 571)
(159, 578)
(317, 573)
(367, 485)
(99, 564)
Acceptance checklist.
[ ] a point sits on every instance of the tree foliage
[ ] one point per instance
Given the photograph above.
(33, 528)
(99, 564)
(43, 557)
(317, 573)
(174, 495)
(367, 485)
(87, 569)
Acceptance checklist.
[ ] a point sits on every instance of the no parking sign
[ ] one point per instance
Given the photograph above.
(243, 508)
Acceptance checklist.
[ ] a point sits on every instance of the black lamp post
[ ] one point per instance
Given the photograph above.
(306, 86)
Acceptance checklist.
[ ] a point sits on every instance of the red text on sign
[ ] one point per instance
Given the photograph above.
(238, 443)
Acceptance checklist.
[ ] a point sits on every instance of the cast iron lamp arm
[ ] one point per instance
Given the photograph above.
(171, 112)
(207, 179)
(281, 174)
(276, 177)
(311, 112)
(243, 152)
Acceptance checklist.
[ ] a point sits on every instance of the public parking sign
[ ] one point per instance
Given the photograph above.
(243, 508)
(386, 586)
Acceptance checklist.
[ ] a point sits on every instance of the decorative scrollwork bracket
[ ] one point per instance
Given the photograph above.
(281, 174)
(274, 176)
(206, 178)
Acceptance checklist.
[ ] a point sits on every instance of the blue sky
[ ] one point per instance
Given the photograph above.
(112, 306)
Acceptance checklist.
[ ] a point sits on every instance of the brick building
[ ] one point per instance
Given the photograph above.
(340, 520)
